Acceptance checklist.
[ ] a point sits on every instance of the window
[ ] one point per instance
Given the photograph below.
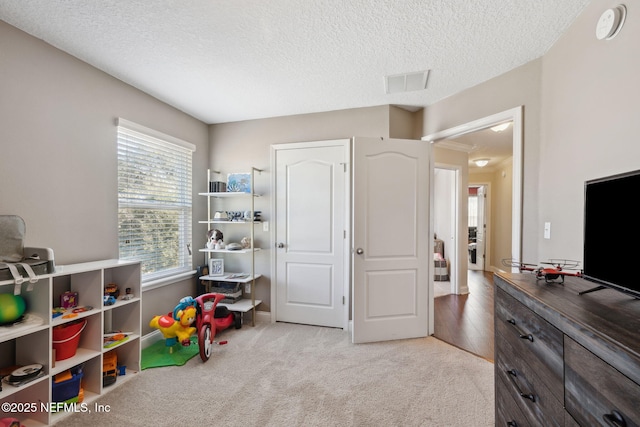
(473, 211)
(473, 206)
(154, 200)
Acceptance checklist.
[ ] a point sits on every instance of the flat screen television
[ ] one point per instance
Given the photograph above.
(610, 221)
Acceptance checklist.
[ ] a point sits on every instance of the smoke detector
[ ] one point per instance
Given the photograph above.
(610, 22)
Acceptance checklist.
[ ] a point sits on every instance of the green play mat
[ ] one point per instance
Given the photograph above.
(158, 354)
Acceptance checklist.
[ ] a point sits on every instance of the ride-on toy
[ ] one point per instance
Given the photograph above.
(177, 327)
(211, 319)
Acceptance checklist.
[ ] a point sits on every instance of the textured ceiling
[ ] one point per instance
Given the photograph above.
(231, 60)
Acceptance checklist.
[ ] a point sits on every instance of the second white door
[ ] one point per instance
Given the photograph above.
(391, 265)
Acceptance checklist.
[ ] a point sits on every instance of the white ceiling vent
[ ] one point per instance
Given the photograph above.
(406, 82)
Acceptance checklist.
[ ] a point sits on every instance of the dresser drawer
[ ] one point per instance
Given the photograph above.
(595, 392)
(536, 341)
(529, 391)
(508, 413)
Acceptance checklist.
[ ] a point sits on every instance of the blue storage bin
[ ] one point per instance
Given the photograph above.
(65, 390)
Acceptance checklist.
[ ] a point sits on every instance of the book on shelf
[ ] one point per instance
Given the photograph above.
(237, 276)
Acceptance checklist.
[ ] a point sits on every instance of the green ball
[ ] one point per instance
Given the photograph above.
(11, 307)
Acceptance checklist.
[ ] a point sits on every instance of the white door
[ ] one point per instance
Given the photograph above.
(482, 227)
(311, 236)
(391, 239)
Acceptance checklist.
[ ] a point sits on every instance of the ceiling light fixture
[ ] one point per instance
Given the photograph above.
(500, 127)
(406, 82)
(481, 162)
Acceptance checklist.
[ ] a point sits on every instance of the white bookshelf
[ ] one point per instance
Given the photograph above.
(216, 202)
(30, 342)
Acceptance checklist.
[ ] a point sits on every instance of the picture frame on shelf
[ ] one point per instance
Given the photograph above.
(239, 182)
(216, 267)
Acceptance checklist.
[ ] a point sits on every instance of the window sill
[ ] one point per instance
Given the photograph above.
(166, 281)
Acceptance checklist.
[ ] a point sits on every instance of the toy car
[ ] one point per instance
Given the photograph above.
(109, 366)
(112, 289)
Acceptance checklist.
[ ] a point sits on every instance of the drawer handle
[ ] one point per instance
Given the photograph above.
(614, 419)
(512, 376)
(520, 333)
(512, 424)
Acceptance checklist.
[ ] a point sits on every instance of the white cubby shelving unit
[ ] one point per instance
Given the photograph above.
(216, 202)
(31, 341)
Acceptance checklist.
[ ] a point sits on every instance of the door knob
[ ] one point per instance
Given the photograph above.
(359, 251)
(280, 245)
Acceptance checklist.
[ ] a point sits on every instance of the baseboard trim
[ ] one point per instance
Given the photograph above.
(263, 316)
(150, 338)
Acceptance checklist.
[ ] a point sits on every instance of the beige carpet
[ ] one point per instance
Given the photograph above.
(294, 375)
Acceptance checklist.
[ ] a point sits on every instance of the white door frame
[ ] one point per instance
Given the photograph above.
(514, 115)
(346, 143)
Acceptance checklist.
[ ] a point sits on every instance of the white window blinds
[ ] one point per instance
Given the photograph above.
(154, 200)
(473, 211)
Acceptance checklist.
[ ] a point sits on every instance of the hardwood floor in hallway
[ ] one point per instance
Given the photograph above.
(466, 321)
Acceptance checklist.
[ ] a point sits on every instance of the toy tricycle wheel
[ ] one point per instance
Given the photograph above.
(205, 340)
(237, 319)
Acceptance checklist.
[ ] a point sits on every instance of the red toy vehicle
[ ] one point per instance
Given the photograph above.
(211, 319)
(553, 274)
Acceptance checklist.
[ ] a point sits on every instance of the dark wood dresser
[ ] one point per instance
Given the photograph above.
(563, 359)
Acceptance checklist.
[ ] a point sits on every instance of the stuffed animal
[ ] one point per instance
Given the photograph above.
(177, 325)
(215, 239)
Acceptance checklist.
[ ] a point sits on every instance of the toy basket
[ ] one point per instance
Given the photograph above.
(66, 338)
(66, 390)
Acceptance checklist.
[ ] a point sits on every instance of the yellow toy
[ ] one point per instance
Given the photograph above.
(176, 326)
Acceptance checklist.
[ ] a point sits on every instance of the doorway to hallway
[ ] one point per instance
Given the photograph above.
(477, 226)
(466, 321)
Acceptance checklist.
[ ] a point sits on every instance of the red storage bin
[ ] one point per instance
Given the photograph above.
(66, 338)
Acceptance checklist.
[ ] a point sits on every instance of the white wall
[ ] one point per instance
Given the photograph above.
(580, 122)
(58, 167)
(590, 94)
